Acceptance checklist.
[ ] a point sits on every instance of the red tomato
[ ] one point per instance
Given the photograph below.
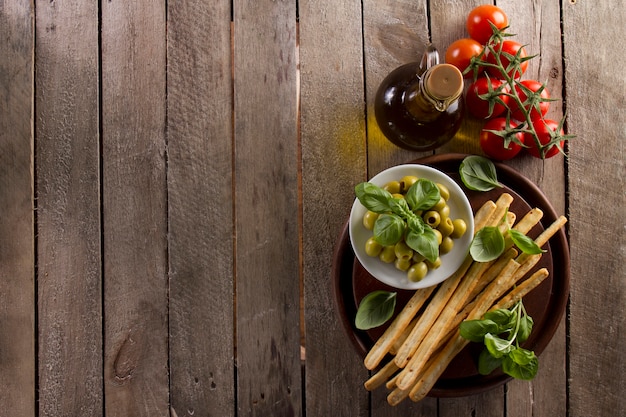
(530, 87)
(500, 147)
(479, 107)
(548, 137)
(505, 48)
(460, 53)
(478, 22)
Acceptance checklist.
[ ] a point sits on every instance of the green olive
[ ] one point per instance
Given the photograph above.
(407, 181)
(393, 187)
(417, 272)
(445, 227)
(369, 218)
(403, 264)
(432, 218)
(373, 248)
(403, 251)
(433, 265)
(459, 228)
(446, 245)
(444, 212)
(439, 236)
(440, 204)
(418, 257)
(398, 195)
(443, 190)
(387, 255)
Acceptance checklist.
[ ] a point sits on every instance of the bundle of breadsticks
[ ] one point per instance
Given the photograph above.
(422, 340)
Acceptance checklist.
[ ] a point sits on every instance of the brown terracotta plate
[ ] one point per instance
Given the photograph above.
(545, 304)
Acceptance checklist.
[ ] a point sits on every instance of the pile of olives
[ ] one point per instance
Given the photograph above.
(437, 217)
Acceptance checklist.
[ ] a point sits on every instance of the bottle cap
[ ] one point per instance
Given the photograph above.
(444, 82)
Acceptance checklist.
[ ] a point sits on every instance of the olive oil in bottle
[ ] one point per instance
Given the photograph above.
(419, 105)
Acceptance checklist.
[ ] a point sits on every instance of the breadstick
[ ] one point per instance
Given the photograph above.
(437, 366)
(441, 297)
(493, 271)
(398, 343)
(396, 396)
(430, 341)
(547, 234)
(380, 377)
(393, 332)
(521, 290)
(441, 360)
(527, 222)
(502, 206)
(483, 214)
(486, 299)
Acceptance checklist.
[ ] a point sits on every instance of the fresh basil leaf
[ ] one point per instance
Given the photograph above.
(522, 356)
(423, 194)
(416, 223)
(388, 229)
(424, 243)
(400, 207)
(373, 197)
(525, 328)
(526, 244)
(487, 245)
(375, 309)
(521, 364)
(487, 363)
(478, 173)
(497, 346)
(475, 330)
(505, 319)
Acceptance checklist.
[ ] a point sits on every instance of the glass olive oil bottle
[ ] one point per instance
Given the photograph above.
(419, 106)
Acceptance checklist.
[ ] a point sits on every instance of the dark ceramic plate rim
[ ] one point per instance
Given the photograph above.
(344, 259)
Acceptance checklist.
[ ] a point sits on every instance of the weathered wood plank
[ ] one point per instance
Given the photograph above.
(266, 207)
(395, 33)
(333, 161)
(537, 25)
(17, 249)
(448, 23)
(68, 209)
(134, 209)
(199, 135)
(595, 91)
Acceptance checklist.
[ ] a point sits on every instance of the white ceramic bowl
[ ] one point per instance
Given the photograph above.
(450, 262)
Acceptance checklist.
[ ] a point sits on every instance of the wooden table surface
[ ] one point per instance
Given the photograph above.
(174, 176)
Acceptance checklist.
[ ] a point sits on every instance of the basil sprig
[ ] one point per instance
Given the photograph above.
(502, 331)
(397, 218)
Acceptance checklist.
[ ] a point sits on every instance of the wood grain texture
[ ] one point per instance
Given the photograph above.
(17, 250)
(266, 220)
(68, 209)
(537, 25)
(333, 160)
(595, 91)
(134, 209)
(394, 33)
(199, 136)
(448, 23)
(174, 174)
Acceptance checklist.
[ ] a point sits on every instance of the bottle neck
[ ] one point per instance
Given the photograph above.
(441, 86)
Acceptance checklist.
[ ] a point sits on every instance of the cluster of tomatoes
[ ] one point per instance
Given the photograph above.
(514, 109)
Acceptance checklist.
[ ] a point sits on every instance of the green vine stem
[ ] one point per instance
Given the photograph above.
(511, 76)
